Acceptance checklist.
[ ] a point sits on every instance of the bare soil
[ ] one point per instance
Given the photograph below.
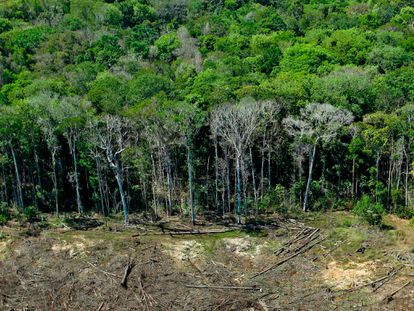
(60, 268)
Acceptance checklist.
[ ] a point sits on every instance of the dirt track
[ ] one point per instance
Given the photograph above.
(61, 269)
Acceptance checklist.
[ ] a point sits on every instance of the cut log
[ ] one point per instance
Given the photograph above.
(193, 232)
(287, 259)
(254, 288)
(128, 269)
(390, 297)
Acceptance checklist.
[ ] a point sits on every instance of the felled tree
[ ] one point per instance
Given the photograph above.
(317, 123)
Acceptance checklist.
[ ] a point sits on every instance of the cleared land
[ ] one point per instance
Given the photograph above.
(316, 262)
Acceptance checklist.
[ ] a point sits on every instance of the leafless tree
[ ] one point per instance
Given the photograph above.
(236, 126)
(112, 135)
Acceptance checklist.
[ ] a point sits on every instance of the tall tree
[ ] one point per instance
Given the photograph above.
(236, 126)
(317, 123)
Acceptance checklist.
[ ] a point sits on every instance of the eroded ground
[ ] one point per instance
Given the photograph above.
(283, 265)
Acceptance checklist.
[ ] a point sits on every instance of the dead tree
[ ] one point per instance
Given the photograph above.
(112, 134)
(236, 126)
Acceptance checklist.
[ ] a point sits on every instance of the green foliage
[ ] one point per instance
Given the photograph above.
(106, 50)
(166, 65)
(305, 58)
(4, 213)
(141, 38)
(147, 85)
(388, 58)
(347, 87)
(166, 46)
(31, 214)
(274, 200)
(107, 92)
(369, 210)
(350, 46)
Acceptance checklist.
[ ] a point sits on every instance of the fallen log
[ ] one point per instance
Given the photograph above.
(127, 272)
(101, 306)
(193, 232)
(287, 259)
(101, 270)
(385, 279)
(254, 288)
(339, 244)
(309, 239)
(390, 297)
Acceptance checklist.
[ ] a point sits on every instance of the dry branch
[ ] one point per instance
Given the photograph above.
(101, 306)
(390, 297)
(127, 272)
(101, 270)
(254, 288)
(193, 232)
(385, 279)
(287, 259)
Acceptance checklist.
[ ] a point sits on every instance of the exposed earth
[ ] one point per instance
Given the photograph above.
(328, 261)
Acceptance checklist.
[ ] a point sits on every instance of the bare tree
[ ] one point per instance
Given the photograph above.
(112, 135)
(236, 126)
(317, 123)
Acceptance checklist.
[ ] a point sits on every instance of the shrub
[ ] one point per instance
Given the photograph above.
(4, 213)
(369, 210)
(275, 199)
(31, 214)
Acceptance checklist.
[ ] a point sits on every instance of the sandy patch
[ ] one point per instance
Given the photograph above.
(185, 251)
(348, 276)
(75, 247)
(238, 246)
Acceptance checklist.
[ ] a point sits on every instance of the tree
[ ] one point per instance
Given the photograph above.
(47, 103)
(236, 126)
(71, 114)
(112, 133)
(317, 123)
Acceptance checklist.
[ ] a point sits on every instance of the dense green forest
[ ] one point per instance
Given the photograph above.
(199, 107)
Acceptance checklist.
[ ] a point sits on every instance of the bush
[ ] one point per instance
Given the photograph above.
(275, 199)
(31, 214)
(369, 210)
(4, 213)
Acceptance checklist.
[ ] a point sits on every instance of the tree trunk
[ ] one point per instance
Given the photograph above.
(308, 184)
(100, 184)
(72, 146)
(238, 189)
(118, 173)
(190, 183)
(154, 178)
(407, 172)
(253, 177)
(262, 166)
(55, 186)
(377, 176)
(169, 208)
(18, 181)
(207, 184)
(228, 181)
(353, 179)
(216, 172)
